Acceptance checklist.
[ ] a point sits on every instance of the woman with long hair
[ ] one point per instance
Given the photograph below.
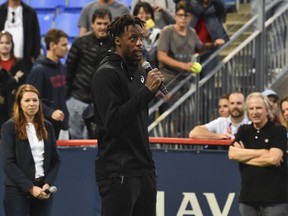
(12, 75)
(8, 61)
(30, 158)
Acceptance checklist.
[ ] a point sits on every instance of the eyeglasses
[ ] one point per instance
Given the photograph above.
(13, 17)
(184, 15)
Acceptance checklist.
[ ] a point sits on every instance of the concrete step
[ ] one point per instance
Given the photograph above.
(244, 8)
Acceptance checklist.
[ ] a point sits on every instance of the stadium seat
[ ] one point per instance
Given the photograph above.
(68, 23)
(76, 5)
(231, 5)
(46, 5)
(128, 3)
(45, 22)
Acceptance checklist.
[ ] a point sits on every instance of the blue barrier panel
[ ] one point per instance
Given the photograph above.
(189, 183)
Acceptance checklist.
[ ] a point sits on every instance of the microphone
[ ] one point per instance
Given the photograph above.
(147, 67)
(50, 190)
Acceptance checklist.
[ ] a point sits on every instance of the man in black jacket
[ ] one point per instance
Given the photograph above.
(21, 21)
(83, 60)
(125, 170)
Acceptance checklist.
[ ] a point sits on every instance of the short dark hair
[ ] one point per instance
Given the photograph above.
(54, 35)
(117, 27)
(224, 96)
(146, 6)
(184, 5)
(101, 13)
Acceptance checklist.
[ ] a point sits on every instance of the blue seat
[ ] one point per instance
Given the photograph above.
(2, 1)
(46, 5)
(68, 23)
(128, 3)
(45, 22)
(231, 5)
(76, 5)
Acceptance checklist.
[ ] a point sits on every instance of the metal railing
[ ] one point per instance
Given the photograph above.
(244, 69)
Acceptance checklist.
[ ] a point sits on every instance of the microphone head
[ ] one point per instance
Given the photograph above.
(53, 189)
(146, 65)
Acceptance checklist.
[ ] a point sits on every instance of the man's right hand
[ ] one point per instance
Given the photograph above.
(58, 115)
(154, 80)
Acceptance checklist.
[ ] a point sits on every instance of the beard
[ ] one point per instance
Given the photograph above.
(236, 113)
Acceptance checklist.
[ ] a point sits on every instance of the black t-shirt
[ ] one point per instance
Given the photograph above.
(263, 184)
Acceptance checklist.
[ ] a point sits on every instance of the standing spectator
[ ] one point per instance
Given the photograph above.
(121, 93)
(83, 60)
(11, 75)
(284, 112)
(48, 76)
(8, 86)
(223, 106)
(207, 21)
(30, 158)
(224, 127)
(260, 148)
(273, 99)
(8, 62)
(163, 11)
(151, 33)
(116, 9)
(21, 21)
(178, 43)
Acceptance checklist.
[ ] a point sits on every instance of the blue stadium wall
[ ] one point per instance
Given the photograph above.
(189, 183)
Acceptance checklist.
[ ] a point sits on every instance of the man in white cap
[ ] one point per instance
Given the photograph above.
(273, 98)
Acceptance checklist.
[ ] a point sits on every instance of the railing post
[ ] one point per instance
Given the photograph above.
(260, 55)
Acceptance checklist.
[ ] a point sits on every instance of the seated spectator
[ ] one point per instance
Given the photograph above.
(224, 127)
(163, 11)
(207, 22)
(83, 60)
(116, 8)
(48, 76)
(145, 12)
(223, 106)
(273, 99)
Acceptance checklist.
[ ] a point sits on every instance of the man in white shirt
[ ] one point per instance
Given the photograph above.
(20, 20)
(224, 127)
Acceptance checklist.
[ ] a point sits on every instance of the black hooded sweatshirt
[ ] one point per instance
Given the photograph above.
(121, 100)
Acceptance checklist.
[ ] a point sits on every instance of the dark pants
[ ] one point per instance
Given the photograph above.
(18, 203)
(135, 196)
(264, 210)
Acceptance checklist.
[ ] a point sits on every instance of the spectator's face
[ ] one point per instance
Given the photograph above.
(129, 45)
(143, 15)
(30, 104)
(236, 105)
(99, 26)
(257, 111)
(284, 110)
(223, 108)
(274, 104)
(182, 18)
(5, 45)
(61, 48)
